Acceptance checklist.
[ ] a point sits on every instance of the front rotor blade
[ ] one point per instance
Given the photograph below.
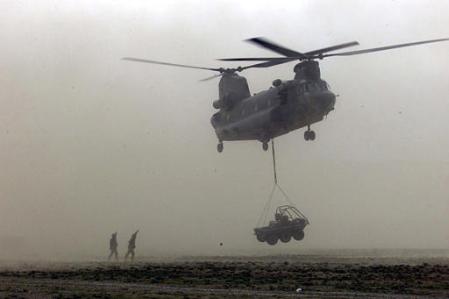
(308, 54)
(171, 64)
(385, 48)
(265, 43)
(333, 48)
(258, 59)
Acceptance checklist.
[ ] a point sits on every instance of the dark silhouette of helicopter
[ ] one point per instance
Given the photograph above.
(284, 107)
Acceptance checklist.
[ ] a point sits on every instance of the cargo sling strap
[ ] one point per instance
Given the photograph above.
(267, 206)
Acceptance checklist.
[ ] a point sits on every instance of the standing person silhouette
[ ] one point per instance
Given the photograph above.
(131, 246)
(113, 246)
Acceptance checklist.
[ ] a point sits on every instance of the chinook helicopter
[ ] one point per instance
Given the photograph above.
(286, 106)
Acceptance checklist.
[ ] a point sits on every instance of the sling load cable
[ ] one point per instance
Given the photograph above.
(274, 163)
(267, 206)
(275, 185)
(263, 217)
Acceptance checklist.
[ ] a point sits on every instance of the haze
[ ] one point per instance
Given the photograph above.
(91, 144)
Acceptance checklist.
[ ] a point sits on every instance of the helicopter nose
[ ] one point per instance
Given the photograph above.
(327, 101)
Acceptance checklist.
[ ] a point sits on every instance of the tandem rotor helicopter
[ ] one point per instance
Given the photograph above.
(287, 105)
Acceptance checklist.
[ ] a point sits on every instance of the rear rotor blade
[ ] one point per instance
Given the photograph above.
(242, 68)
(385, 48)
(211, 77)
(171, 64)
(268, 61)
(221, 70)
(333, 48)
(265, 43)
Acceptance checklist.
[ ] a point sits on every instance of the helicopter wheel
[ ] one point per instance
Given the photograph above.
(220, 147)
(309, 135)
(265, 146)
(312, 135)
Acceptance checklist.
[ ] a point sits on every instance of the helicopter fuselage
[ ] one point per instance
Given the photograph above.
(287, 106)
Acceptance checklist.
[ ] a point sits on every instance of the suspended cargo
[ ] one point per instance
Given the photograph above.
(288, 223)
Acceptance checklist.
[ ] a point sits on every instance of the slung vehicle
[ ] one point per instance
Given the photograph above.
(288, 223)
(286, 106)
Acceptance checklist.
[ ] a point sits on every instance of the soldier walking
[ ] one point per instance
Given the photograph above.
(113, 246)
(131, 246)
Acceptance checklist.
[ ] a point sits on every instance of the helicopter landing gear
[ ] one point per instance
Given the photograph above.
(309, 134)
(265, 145)
(220, 147)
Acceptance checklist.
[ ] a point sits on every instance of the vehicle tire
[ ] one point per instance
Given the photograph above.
(298, 235)
(285, 237)
(272, 240)
(260, 237)
(220, 147)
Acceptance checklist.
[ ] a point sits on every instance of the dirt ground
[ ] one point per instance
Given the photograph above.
(231, 277)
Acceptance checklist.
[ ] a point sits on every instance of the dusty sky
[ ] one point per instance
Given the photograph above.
(90, 144)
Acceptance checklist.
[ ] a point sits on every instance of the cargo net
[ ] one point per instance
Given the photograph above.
(287, 222)
(268, 208)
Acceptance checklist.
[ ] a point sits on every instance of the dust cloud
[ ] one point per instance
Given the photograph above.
(91, 144)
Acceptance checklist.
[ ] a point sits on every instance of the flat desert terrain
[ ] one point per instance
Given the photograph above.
(324, 275)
